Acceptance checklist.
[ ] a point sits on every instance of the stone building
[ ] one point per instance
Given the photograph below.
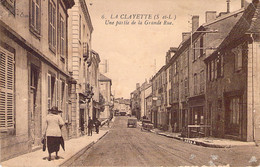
(159, 112)
(233, 79)
(80, 33)
(135, 102)
(33, 71)
(105, 84)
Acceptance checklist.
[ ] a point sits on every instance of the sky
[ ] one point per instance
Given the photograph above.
(133, 49)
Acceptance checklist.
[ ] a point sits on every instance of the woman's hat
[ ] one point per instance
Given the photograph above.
(54, 108)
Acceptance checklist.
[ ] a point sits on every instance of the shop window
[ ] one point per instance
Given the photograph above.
(232, 114)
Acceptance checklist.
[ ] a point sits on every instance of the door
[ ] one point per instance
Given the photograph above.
(82, 120)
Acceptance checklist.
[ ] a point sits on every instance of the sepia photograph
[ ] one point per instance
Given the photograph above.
(129, 83)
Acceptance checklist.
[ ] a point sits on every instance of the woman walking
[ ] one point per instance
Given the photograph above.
(54, 123)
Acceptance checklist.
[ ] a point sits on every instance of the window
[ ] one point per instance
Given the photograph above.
(35, 16)
(10, 5)
(195, 84)
(6, 90)
(220, 66)
(52, 25)
(186, 86)
(201, 47)
(62, 39)
(232, 115)
(194, 51)
(238, 58)
(202, 85)
(51, 98)
(212, 70)
(209, 71)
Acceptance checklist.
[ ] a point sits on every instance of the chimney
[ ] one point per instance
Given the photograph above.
(195, 23)
(242, 3)
(210, 16)
(137, 85)
(170, 53)
(228, 6)
(185, 36)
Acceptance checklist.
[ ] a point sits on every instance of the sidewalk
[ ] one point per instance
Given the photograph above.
(73, 149)
(206, 141)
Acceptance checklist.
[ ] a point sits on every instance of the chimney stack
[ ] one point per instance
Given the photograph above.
(195, 23)
(185, 36)
(210, 16)
(228, 6)
(242, 3)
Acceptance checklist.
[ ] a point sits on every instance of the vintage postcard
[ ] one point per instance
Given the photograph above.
(129, 83)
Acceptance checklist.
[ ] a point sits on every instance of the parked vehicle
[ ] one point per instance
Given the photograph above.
(146, 125)
(132, 122)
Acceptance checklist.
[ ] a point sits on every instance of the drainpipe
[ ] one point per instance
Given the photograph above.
(253, 103)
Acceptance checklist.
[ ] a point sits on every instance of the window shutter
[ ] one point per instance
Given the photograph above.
(57, 92)
(38, 16)
(54, 25)
(49, 19)
(6, 90)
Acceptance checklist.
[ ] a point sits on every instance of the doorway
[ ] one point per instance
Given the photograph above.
(34, 107)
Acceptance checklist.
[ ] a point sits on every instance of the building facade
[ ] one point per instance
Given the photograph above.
(232, 75)
(34, 71)
(80, 32)
(105, 84)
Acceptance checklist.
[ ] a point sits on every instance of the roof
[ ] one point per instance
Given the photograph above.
(104, 78)
(248, 23)
(183, 46)
(163, 67)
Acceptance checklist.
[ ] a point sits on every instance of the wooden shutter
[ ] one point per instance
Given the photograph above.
(6, 90)
(49, 22)
(38, 15)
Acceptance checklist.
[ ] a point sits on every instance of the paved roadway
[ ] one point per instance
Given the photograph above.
(124, 146)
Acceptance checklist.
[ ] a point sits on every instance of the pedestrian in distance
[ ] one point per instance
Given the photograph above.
(97, 124)
(52, 131)
(90, 126)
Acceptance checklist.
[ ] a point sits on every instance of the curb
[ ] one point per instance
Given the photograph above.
(192, 141)
(74, 157)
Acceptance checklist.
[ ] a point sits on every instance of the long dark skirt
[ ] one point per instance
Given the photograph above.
(53, 143)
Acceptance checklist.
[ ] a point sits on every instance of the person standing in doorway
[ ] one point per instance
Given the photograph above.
(90, 126)
(54, 124)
